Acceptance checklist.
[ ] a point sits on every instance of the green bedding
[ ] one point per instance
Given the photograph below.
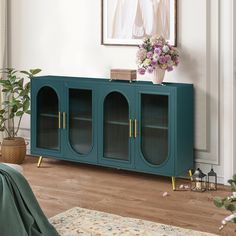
(20, 213)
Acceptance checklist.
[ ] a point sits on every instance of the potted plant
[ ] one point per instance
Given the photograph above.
(228, 203)
(16, 103)
(155, 55)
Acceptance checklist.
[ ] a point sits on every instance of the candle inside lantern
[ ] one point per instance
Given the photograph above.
(212, 180)
(198, 185)
(198, 181)
(212, 186)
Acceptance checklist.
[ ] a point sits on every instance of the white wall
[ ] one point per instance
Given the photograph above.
(63, 38)
(234, 85)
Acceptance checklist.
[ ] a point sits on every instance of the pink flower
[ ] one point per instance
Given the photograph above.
(162, 59)
(149, 55)
(141, 54)
(141, 71)
(176, 62)
(167, 57)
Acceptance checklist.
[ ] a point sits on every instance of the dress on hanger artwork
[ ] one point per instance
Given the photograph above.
(126, 22)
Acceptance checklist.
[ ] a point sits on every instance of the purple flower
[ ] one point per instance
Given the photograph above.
(169, 68)
(167, 57)
(154, 62)
(150, 69)
(157, 51)
(149, 55)
(141, 71)
(162, 59)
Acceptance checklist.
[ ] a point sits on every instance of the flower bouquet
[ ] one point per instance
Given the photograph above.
(155, 54)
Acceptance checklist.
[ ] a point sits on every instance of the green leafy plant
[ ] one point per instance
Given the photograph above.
(228, 203)
(16, 96)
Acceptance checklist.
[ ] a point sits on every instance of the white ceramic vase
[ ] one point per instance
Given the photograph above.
(158, 76)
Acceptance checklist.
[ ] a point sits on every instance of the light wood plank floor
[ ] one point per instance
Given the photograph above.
(60, 185)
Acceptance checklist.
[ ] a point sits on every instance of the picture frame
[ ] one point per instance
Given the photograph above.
(127, 22)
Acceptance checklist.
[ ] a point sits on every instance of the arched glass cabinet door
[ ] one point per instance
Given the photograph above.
(154, 128)
(47, 119)
(81, 122)
(116, 127)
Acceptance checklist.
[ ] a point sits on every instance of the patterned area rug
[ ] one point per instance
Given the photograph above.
(84, 222)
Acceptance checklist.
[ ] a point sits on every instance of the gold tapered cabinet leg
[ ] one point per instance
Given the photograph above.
(173, 183)
(190, 174)
(39, 161)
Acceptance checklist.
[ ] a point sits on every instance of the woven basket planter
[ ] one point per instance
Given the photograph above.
(13, 150)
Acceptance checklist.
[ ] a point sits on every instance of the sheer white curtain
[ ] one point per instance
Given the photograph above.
(3, 39)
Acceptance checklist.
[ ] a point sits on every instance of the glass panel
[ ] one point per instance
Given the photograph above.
(154, 128)
(80, 113)
(47, 119)
(116, 127)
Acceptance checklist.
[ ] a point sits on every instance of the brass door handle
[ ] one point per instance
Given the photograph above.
(59, 120)
(130, 128)
(64, 120)
(135, 128)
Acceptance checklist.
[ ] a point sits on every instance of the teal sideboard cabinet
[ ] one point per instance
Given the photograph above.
(133, 126)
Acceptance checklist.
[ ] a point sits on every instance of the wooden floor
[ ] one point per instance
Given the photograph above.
(60, 185)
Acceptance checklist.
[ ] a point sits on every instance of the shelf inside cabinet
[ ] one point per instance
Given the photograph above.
(155, 127)
(114, 122)
(82, 118)
(49, 115)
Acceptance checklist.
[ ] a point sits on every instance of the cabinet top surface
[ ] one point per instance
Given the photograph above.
(105, 80)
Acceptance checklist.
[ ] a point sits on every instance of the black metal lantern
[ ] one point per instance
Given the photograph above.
(198, 181)
(212, 180)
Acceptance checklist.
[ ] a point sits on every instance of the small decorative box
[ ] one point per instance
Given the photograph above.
(123, 74)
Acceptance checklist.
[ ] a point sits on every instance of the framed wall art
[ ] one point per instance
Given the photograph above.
(127, 22)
